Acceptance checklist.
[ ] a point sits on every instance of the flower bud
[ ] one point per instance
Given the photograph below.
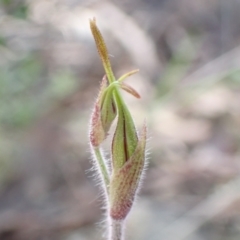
(104, 113)
(125, 181)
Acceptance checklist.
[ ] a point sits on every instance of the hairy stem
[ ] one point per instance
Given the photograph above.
(116, 230)
(102, 166)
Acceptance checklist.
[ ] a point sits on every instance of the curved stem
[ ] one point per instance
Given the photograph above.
(102, 166)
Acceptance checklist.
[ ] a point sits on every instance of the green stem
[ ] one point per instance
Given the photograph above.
(102, 166)
(118, 98)
(109, 72)
(111, 87)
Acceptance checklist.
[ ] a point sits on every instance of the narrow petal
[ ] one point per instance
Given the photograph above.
(102, 49)
(130, 90)
(123, 77)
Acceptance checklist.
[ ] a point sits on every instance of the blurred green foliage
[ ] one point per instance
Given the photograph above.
(26, 91)
(17, 104)
(176, 68)
(17, 9)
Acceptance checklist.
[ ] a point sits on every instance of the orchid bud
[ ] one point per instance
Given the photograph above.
(104, 113)
(128, 159)
(121, 181)
(125, 180)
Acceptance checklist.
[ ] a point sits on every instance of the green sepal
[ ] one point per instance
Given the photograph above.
(103, 115)
(125, 138)
(124, 182)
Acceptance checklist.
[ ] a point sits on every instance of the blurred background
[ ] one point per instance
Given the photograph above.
(188, 53)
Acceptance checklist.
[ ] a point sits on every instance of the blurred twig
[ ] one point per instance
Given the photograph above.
(216, 69)
(213, 205)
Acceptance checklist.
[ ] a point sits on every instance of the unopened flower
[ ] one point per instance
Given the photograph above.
(122, 180)
(104, 113)
(128, 160)
(125, 180)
